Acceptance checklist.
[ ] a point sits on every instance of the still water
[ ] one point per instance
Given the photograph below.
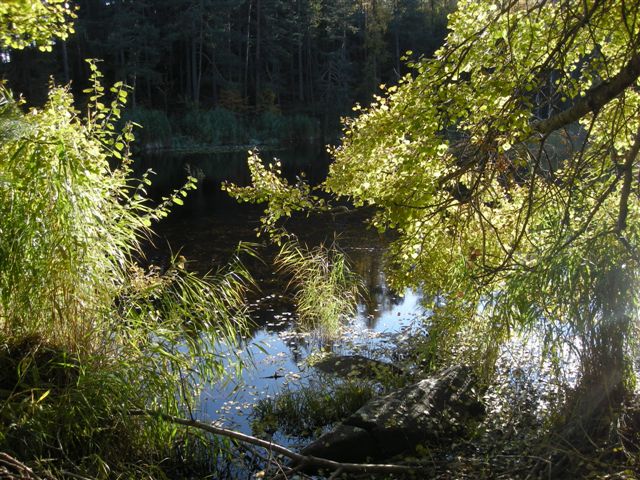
(207, 229)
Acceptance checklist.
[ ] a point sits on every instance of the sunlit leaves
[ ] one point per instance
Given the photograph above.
(34, 22)
(269, 186)
(481, 204)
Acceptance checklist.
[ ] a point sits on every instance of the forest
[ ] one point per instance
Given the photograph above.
(231, 62)
(453, 294)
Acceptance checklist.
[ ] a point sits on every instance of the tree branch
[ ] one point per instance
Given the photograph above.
(304, 460)
(594, 99)
(13, 468)
(627, 169)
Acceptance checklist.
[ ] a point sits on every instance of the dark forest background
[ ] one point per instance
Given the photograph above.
(223, 72)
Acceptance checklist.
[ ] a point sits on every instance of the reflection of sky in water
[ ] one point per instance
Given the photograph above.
(207, 230)
(278, 350)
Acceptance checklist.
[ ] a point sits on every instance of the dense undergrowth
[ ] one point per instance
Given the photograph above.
(86, 335)
(204, 128)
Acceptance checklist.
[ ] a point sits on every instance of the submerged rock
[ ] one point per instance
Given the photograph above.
(357, 366)
(434, 410)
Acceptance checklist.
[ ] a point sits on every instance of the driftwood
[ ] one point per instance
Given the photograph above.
(301, 461)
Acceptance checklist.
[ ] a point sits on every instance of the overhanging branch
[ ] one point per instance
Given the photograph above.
(594, 99)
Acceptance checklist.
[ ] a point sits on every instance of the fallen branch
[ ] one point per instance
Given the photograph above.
(302, 460)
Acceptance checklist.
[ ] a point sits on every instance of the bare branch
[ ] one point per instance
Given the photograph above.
(305, 460)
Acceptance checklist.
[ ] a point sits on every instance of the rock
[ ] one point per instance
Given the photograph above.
(434, 410)
(343, 444)
(357, 366)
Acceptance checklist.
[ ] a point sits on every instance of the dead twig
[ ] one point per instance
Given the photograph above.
(10, 468)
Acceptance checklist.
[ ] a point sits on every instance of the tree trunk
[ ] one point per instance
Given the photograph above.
(300, 49)
(194, 71)
(257, 66)
(65, 62)
(214, 80)
(248, 50)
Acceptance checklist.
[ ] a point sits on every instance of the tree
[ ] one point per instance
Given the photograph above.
(508, 165)
(26, 22)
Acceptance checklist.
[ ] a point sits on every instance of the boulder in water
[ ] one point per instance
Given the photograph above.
(434, 410)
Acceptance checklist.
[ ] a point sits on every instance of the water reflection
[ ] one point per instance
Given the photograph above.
(207, 230)
(171, 171)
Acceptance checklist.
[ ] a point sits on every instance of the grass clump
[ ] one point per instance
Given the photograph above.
(326, 289)
(86, 335)
(307, 411)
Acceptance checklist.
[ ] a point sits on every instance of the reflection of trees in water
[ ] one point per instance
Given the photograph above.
(377, 298)
(206, 233)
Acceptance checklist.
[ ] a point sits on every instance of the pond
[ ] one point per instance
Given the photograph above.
(207, 229)
(530, 384)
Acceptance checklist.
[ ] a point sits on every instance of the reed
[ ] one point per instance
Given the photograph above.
(326, 290)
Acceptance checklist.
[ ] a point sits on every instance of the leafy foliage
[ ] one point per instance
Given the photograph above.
(508, 167)
(268, 186)
(490, 213)
(26, 22)
(86, 335)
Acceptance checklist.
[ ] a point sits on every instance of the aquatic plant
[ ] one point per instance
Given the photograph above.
(306, 411)
(326, 290)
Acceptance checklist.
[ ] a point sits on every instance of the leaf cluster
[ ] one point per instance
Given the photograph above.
(496, 213)
(34, 22)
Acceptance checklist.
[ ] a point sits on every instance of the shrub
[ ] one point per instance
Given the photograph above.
(271, 128)
(302, 129)
(87, 336)
(213, 127)
(156, 128)
(275, 128)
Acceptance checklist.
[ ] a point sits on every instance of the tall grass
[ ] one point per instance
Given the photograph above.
(86, 335)
(326, 288)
